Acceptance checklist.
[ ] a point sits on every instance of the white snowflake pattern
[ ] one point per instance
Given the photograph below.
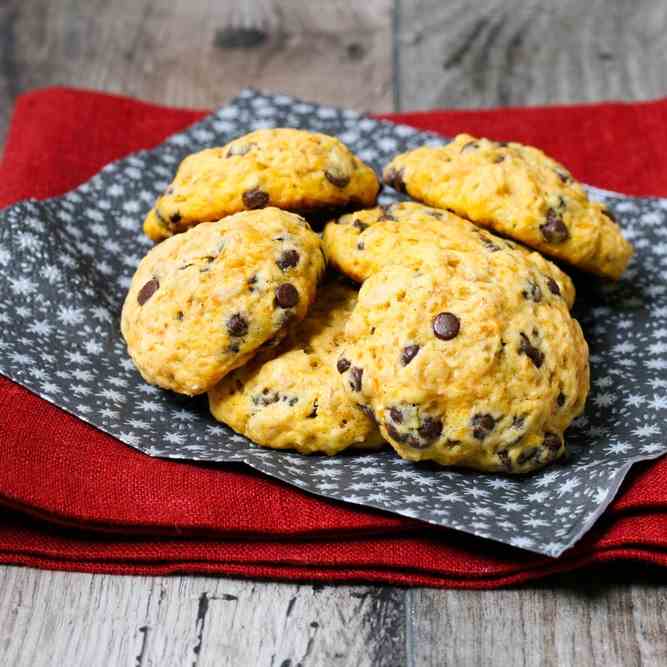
(22, 286)
(40, 327)
(70, 315)
(646, 431)
(93, 347)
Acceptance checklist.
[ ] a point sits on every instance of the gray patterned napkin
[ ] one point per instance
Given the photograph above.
(65, 264)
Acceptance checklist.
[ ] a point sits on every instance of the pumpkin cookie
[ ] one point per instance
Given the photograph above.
(519, 192)
(201, 303)
(461, 372)
(291, 169)
(291, 397)
(360, 244)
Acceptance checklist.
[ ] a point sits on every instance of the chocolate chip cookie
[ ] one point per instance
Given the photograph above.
(360, 244)
(519, 192)
(201, 303)
(291, 169)
(463, 373)
(291, 397)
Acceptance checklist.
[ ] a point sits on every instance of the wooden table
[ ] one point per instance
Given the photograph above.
(376, 55)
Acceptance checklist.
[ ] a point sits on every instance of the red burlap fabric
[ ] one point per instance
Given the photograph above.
(74, 498)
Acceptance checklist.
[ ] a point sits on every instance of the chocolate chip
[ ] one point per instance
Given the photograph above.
(565, 178)
(313, 413)
(162, 222)
(560, 399)
(342, 365)
(470, 146)
(408, 354)
(360, 245)
(554, 230)
(288, 259)
(266, 397)
(482, 425)
(498, 159)
(393, 432)
(430, 429)
(446, 326)
(175, 218)
(396, 415)
(488, 243)
(355, 378)
(504, 457)
(255, 198)
(287, 296)
(609, 214)
(395, 178)
(527, 348)
(361, 226)
(179, 315)
(252, 281)
(526, 455)
(532, 292)
(517, 421)
(147, 291)
(552, 442)
(368, 411)
(340, 180)
(435, 214)
(386, 214)
(293, 401)
(237, 325)
(553, 286)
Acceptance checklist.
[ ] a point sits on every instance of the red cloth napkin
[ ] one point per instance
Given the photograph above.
(74, 498)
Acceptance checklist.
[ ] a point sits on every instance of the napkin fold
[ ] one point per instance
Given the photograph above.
(74, 498)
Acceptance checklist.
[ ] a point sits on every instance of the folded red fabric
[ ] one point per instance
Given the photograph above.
(66, 511)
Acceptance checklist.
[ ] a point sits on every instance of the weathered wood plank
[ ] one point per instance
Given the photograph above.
(199, 53)
(517, 52)
(615, 617)
(60, 618)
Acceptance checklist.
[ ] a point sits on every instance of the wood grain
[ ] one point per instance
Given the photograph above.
(62, 618)
(199, 53)
(524, 52)
(614, 616)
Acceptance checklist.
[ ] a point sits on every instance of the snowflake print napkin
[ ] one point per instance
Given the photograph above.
(66, 263)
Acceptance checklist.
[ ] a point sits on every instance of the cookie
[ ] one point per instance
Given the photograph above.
(291, 397)
(201, 303)
(462, 372)
(291, 169)
(519, 192)
(360, 244)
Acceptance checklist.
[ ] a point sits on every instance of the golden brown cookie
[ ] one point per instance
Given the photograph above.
(462, 371)
(519, 192)
(360, 244)
(291, 397)
(291, 169)
(202, 303)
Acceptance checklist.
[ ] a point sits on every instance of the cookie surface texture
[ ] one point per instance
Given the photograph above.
(362, 243)
(292, 397)
(519, 192)
(201, 303)
(459, 371)
(290, 169)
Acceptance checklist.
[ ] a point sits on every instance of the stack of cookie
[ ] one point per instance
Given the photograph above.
(459, 347)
